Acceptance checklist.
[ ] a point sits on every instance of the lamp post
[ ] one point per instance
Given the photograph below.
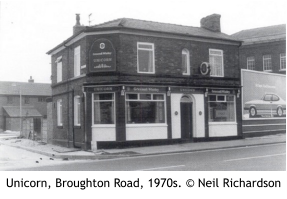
(20, 94)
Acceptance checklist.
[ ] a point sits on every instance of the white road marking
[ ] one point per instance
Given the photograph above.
(255, 157)
(156, 168)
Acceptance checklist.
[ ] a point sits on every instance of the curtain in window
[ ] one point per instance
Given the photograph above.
(97, 110)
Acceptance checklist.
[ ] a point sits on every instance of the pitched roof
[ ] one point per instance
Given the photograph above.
(163, 27)
(264, 34)
(152, 26)
(27, 111)
(27, 88)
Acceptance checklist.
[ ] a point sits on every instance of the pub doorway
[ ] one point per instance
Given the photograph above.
(186, 110)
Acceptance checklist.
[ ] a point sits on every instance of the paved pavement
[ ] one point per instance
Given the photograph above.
(70, 153)
(271, 157)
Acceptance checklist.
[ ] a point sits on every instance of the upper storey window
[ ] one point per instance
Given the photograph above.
(267, 63)
(77, 61)
(145, 58)
(59, 69)
(185, 62)
(250, 63)
(283, 61)
(216, 62)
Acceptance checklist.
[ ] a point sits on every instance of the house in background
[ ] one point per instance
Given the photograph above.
(131, 81)
(263, 49)
(23, 105)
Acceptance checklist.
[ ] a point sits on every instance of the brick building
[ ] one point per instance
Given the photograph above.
(263, 49)
(23, 102)
(133, 81)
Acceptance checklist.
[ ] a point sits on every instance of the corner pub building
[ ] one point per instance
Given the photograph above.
(131, 81)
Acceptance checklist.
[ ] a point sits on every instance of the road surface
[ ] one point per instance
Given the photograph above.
(270, 157)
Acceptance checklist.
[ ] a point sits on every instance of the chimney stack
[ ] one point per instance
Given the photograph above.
(211, 22)
(78, 27)
(31, 80)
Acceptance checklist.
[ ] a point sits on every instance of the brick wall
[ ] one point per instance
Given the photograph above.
(258, 50)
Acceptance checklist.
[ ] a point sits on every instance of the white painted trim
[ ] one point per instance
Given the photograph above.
(266, 124)
(142, 33)
(263, 131)
(265, 61)
(222, 62)
(146, 125)
(187, 61)
(281, 57)
(153, 61)
(222, 123)
(104, 125)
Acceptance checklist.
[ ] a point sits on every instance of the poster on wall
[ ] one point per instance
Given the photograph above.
(263, 95)
(102, 56)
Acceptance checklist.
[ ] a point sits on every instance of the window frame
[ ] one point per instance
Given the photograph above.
(59, 112)
(220, 101)
(93, 109)
(26, 100)
(187, 54)
(282, 58)
(222, 61)
(252, 61)
(59, 66)
(265, 61)
(77, 110)
(146, 100)
(77, 61)
(10, 99)
(145, 49)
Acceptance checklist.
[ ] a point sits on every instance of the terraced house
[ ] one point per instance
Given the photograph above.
(131, 81)
(23, 107)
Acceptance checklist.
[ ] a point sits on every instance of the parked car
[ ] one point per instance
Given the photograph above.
(269, 104)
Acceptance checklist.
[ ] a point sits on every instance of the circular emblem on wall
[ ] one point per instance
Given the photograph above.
(204, 68)
(102, 45)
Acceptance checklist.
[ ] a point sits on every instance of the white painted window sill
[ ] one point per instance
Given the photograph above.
(146, 125)
(222, 123)
(103, 126)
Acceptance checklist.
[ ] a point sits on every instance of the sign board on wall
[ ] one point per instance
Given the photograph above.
(265, 92)
(102, 56)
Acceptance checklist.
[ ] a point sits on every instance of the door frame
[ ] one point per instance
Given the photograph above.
(190, 100)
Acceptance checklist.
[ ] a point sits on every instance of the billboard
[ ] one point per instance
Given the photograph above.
(263, 94)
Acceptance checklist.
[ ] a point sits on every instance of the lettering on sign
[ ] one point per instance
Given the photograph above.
(145, 89)
(102, 56)
(220, 91)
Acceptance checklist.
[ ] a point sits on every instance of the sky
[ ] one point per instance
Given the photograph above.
(29, 29)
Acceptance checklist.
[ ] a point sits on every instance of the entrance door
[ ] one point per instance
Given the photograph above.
(186, 119)
(37, 126)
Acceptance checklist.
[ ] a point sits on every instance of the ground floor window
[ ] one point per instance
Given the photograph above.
(221, 108)
(145, 108)
(59, 113)
(104, 108)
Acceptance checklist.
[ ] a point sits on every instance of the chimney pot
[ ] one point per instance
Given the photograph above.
(78, 27)
(31, 80)
(211, 22)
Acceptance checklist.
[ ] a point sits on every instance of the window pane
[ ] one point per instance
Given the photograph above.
(146, 46)
(268, 97)
(275, 98)
(145, 112)
(103, 112)
(221, 111)
(215, 52)
(158, 97)
(212, 97)
(220, 97)
(145, 61)
(145, 96)
(230, 98)
(216, 64)
(184, 63)
(104, 96)
(132, 96)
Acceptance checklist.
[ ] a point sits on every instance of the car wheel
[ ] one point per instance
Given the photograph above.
(279, 111)
(252, 112)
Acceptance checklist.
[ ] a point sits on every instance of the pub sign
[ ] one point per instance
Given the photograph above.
(102, 56)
